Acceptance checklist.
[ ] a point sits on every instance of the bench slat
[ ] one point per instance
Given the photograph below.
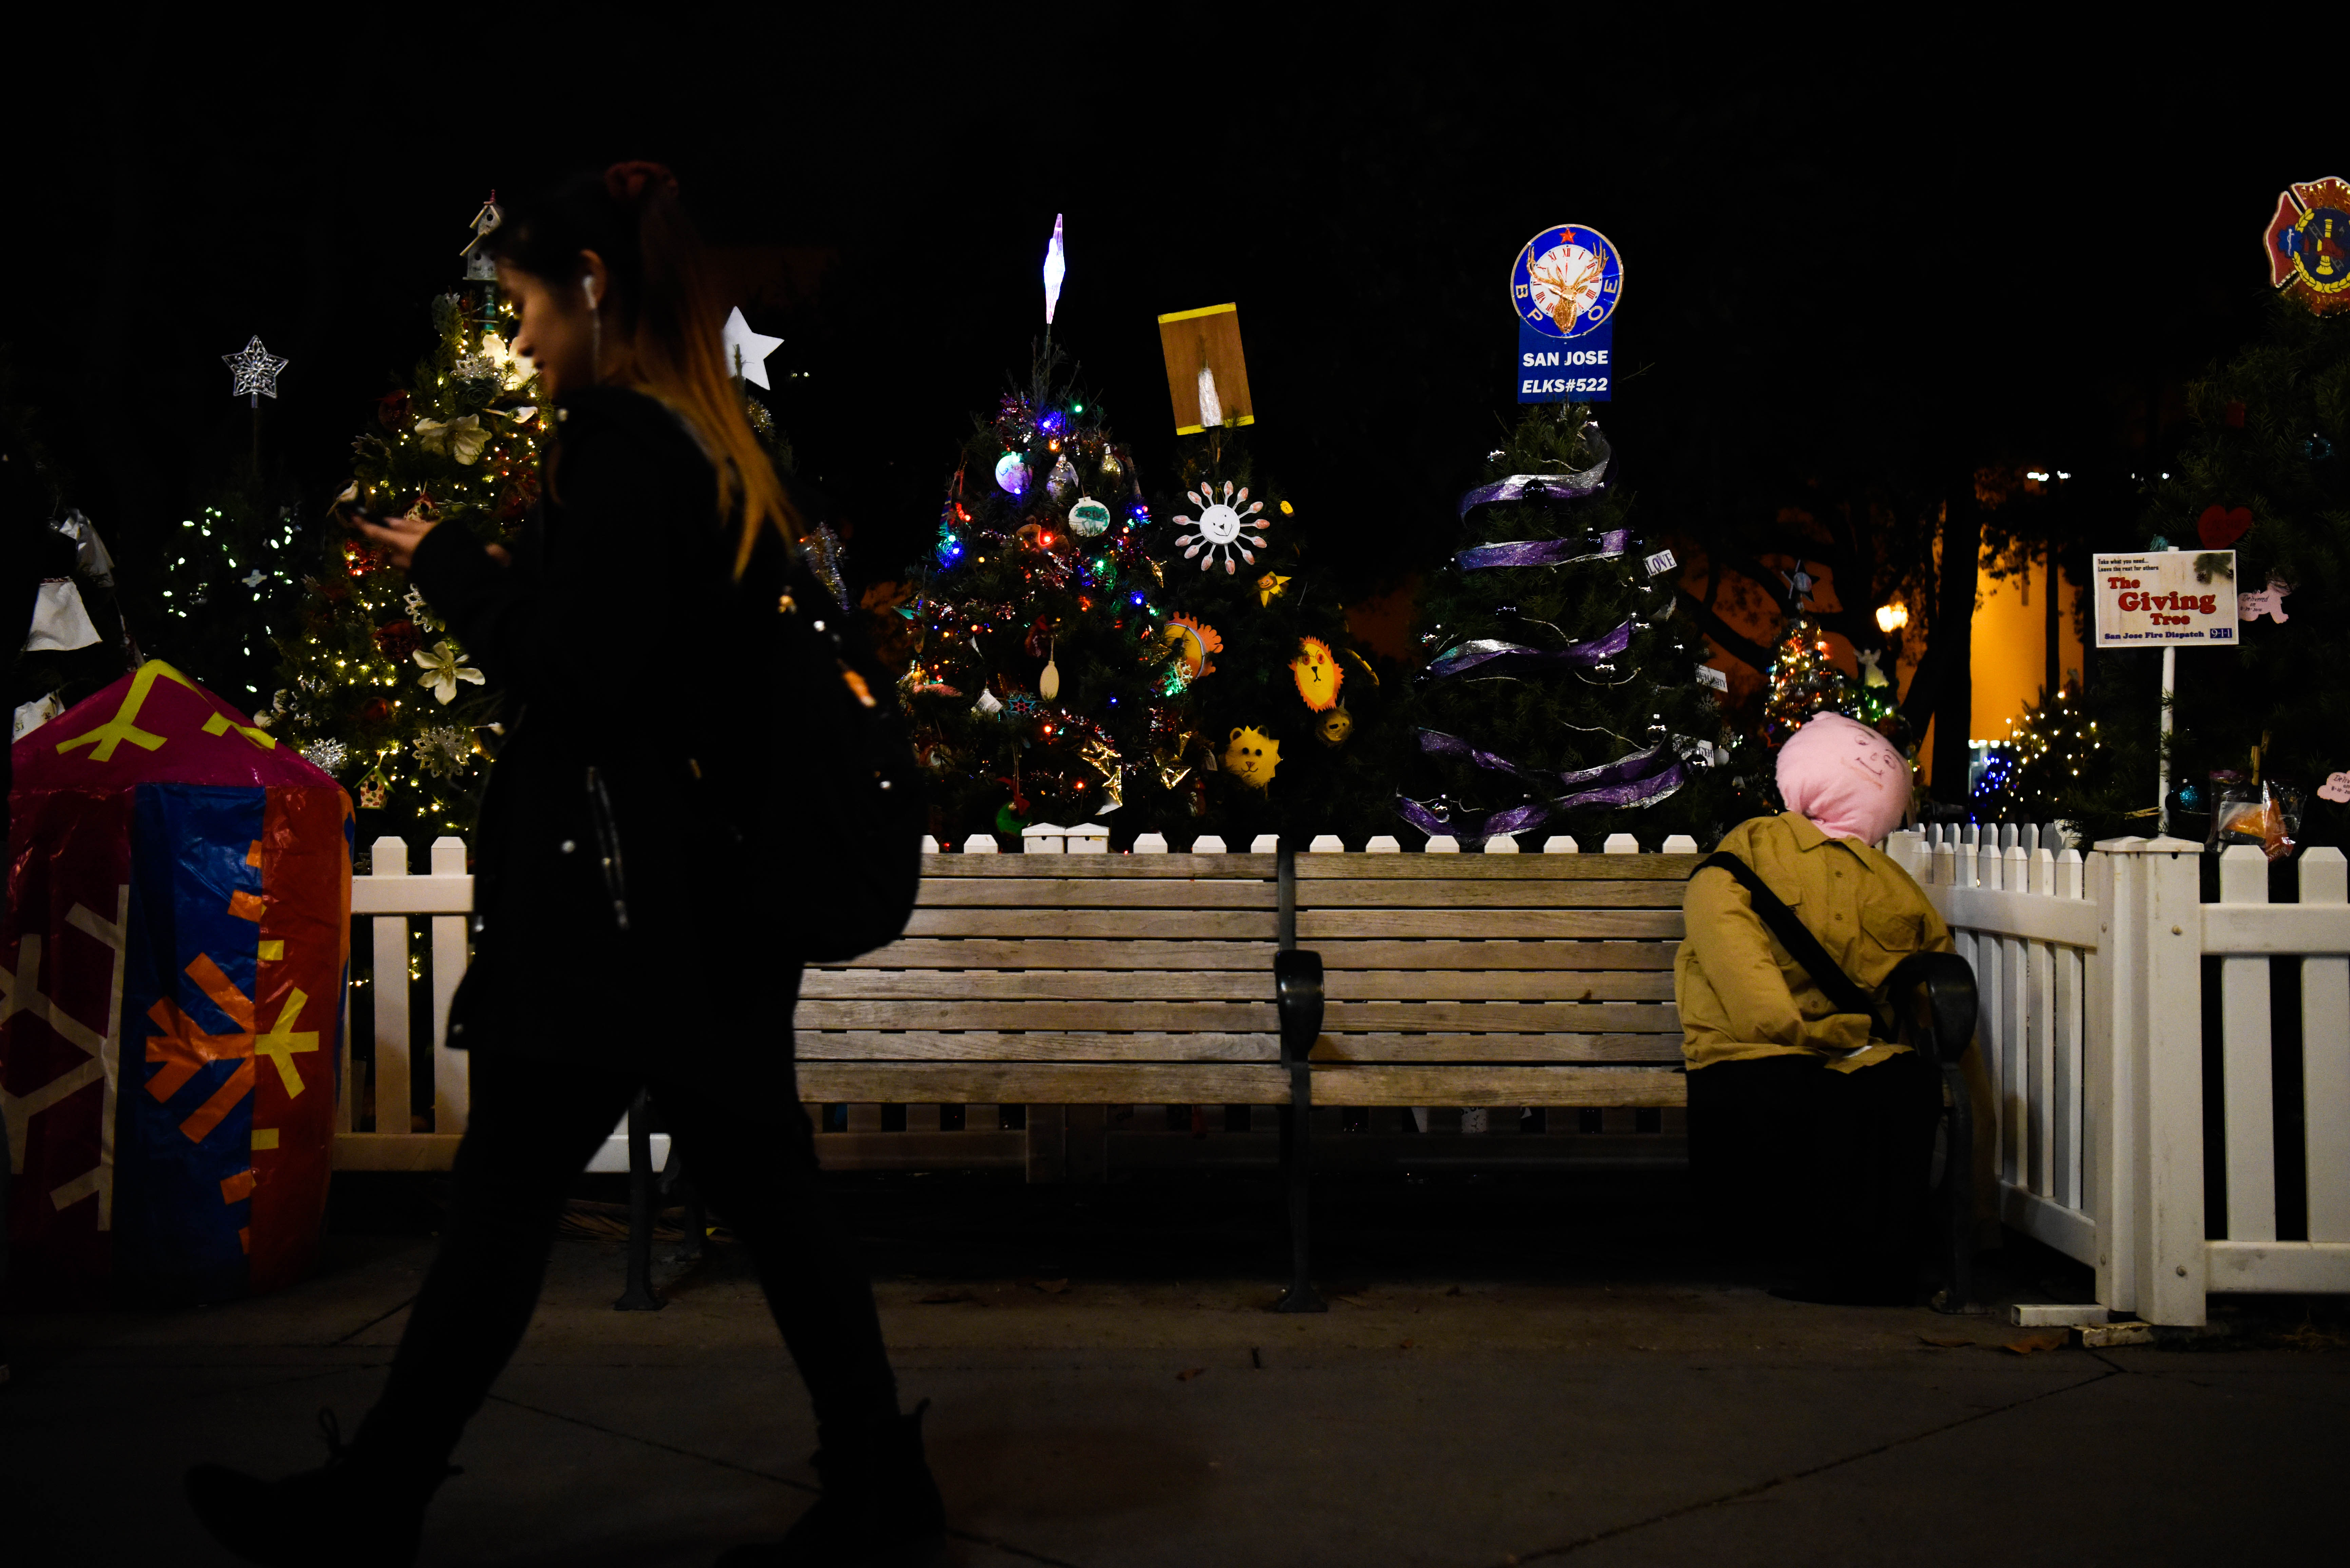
(1528, 1048)
(1078, 1084)
(1228, 924)
(1057, 984)
(1439, 900)
(1504, 1017)
(979, 953)
(1033, 1045)
(1497, 867)
(1494, 955)
(1496, 985)
(1263, 867)
(1316, 924)
(1106, 893)
(1403, 1085)
(1122, 1016)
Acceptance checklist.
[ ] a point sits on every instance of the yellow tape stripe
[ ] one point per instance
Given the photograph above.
(1202, 430)
(1190, 315)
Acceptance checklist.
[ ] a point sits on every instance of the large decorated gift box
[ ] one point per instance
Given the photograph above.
(174, 958)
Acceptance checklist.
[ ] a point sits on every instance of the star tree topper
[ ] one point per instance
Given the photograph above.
(747, 351)
(255, 369)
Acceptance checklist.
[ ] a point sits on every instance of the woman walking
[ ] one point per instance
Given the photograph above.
(617, 945)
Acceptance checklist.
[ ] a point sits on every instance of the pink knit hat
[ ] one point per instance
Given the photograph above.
(1846, 777)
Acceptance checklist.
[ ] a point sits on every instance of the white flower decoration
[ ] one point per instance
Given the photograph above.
(443, 668)
(1223, 526)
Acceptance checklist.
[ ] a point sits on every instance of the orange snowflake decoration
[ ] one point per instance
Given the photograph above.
(1318, 675)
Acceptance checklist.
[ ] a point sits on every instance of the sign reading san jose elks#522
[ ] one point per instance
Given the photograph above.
(2164, 598)
(1565, 285)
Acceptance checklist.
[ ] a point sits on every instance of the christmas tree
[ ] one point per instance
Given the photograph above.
(1562, 693)
(1285, 722)
(2264, 473)
(372, 687)
(230, 588)
(2033, 773)
(1039, 670)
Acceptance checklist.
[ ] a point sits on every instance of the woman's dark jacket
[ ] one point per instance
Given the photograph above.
(610, 909)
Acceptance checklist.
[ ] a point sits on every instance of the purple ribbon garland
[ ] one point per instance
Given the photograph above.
(1642, 779)
(1527, 818)
(1538, 487)
(1496, 656)
(1543, 552)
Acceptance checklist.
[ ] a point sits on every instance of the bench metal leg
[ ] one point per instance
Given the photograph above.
(1298, 1175)
(640, 1296)
(1958, 1215)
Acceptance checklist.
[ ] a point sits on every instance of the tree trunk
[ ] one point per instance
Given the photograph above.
(1954, 618)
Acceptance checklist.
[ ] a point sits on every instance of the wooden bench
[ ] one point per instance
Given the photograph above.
(1495, 980)
(1067, 983)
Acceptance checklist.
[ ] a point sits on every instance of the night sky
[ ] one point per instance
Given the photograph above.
(1871, 272)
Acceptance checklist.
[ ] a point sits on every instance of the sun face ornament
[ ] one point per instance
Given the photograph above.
(1318, 675)
(1223, 526)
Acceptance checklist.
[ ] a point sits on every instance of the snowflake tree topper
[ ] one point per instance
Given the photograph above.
(255, 369)
(1223, 526)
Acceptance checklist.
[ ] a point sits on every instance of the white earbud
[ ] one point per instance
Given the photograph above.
(588, 282)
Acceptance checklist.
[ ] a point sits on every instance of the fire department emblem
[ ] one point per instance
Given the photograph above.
(2309, 245)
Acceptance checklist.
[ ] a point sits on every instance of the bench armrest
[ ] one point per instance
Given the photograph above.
(1297, 992)
(1935, 1003)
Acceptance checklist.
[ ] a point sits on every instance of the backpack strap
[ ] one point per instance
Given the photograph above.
(1842, 990)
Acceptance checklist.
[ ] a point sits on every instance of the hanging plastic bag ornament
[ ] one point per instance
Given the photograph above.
(1012, 474)
(1221, 526)
(1251, 756)
(1318, 675)
(1088, 517)
(1063, 483)
(1048, 684)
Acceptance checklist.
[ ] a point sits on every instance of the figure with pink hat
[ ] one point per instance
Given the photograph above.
(1811, 1129)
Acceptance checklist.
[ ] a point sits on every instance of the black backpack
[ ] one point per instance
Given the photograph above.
(833, 816)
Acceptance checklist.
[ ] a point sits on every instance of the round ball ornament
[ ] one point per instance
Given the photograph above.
(1012, 474)
(1088, 517)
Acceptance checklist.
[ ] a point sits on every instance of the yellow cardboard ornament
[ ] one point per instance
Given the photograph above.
(1318, 675)
(1251, 756)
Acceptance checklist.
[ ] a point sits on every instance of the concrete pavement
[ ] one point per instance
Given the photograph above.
(1613, 1404)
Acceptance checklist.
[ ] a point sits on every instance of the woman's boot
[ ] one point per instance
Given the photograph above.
(359, 1510)
(881, 1508)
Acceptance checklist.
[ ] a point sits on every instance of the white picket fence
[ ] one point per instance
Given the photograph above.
(2091, 972)
(2092, 1029)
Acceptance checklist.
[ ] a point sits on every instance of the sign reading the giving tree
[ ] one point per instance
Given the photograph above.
(2165, 598)
(1564, 286)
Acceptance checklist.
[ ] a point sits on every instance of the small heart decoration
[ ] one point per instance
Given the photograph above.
(2336, 787)
(2221, 526)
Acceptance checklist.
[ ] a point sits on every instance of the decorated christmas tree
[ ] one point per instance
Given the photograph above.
(1040, 669)
(373, 688)
(230, 588)
(1284, 723)
(1562, 693)
(2265, 472)
(1803, 678)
